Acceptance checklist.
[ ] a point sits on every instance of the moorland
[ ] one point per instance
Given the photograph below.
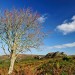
(56, 63)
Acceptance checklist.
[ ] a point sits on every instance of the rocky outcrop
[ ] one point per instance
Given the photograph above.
(55, 54)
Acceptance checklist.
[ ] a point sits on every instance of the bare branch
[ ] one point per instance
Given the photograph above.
(21, 30)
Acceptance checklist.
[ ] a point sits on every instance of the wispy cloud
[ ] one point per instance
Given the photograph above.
(68, 45)
(67, 28)
(42, 18)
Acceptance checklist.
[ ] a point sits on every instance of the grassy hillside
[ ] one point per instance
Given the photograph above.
(55, 64)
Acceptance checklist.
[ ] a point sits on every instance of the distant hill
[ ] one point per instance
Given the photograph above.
(21, 56)
(49, 55)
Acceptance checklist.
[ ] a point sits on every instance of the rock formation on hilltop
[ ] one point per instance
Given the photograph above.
(55, 54)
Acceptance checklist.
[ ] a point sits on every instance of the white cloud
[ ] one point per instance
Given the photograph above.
(73, 18)
(42, 18)
(67, 28)
(69, 45)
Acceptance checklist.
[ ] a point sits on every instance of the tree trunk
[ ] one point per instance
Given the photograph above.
(12, 61)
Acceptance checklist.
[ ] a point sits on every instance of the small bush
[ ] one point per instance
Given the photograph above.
(66, 58)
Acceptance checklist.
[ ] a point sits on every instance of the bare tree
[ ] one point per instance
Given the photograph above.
(21, 31)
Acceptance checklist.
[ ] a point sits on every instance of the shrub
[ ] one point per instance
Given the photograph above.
(66, 58)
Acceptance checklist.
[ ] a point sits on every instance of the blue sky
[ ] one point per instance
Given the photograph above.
(58, 17)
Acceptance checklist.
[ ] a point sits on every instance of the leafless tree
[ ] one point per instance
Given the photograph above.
(20, 30)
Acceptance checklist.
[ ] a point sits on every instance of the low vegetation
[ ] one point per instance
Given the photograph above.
(31, 65)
